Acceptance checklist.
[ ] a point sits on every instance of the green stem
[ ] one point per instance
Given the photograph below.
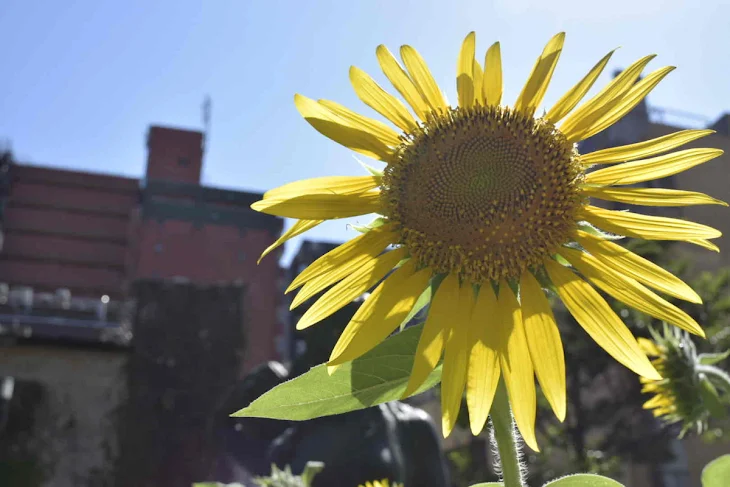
(506, 437)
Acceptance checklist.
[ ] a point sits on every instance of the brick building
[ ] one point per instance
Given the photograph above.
(83, 393)
(92, 235)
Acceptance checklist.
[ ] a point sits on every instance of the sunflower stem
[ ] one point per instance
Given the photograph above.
(506, 437)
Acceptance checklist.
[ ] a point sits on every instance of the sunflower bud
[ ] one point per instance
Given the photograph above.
(692, 390)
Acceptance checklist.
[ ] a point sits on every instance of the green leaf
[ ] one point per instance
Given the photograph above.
(713, 358)
(584, 480)
(486, 484)
(421, 303)
(379, 376)
(716, 473)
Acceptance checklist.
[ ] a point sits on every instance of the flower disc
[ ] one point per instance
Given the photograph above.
(485, 192)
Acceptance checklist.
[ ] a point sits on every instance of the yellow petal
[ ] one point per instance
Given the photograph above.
(637, 267)
(366, 254)
(648, 347)
(401, 81)
(625, 104)
(350, 254)
(597, 318)
(492, 81)
(465, 71)
(350, 288)
(478, 82)
(654, 402)
(380, 100)
(651, 196)
(431, 344)
(456, 359)
(704, 243)
(516, 364)
(647, 227)
(386, 134)
(321, 206)
(543, 339)
(298, 228)
(640, 150)
(647, 385)
(483, 370)
(629, 291)
(381, 313)
(327, 185)
(422, 78)
(596, 107)
(341, 131)
(652, 168)
(537, 84)
(570, 99)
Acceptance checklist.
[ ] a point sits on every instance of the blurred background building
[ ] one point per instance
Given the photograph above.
(79, 252)
(75, 241)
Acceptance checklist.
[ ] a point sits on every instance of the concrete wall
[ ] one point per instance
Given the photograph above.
(74, 432)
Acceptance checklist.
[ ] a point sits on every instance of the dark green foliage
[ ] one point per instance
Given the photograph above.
(21, 459)
(188, 349)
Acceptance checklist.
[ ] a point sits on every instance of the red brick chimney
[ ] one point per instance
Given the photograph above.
(174, 154)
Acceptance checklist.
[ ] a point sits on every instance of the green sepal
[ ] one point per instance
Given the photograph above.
(378, 222)
(712, 358)
(588, 228)
(711, 398)
(370, 169)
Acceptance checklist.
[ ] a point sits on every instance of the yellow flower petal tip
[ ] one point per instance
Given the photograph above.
(490, 193)
(652, 374)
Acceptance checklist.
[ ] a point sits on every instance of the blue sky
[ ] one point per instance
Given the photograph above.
(82, 80)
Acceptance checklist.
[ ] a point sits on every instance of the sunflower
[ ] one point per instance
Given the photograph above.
(691, 392)
(381, 483)
(676, 396)
(488, 205)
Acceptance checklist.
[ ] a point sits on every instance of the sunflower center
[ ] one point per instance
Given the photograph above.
(485, 192)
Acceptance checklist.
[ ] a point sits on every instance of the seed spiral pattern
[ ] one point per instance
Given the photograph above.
(485, 192)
